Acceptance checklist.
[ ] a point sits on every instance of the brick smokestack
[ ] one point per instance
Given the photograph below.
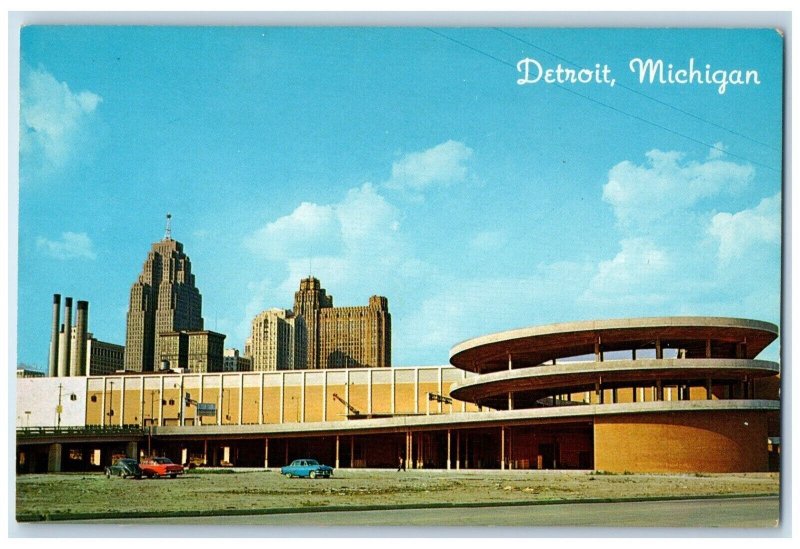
(52, 360)
(81, 323)
(66, 340)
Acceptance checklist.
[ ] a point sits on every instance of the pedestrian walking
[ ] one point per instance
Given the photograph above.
(402, 464)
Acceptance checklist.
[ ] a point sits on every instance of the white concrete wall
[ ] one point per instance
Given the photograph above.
(39, 396)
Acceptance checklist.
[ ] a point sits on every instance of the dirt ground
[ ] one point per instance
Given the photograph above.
(251, 490)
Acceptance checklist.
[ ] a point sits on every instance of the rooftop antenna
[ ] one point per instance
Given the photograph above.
(168, 232)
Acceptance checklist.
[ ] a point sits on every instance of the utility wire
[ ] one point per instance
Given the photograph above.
(615, 109)
(637, 92)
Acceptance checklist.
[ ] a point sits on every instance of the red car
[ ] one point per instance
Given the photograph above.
(160, 467)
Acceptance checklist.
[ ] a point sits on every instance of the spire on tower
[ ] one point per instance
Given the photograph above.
(168, 232)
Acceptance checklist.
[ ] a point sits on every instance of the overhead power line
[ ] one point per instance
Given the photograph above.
(611, 107)
(637, 92)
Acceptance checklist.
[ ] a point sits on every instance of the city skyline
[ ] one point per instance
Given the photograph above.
(409, 164)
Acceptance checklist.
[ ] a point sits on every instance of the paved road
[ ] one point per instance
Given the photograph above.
(760, 512)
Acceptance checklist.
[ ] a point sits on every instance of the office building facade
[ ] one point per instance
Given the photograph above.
(343, 337)
(163, 299)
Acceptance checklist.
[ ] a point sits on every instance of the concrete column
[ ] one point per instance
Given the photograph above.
(241, 397)
(266, 452)
(659, 350)
(659, 391)
(614, 396)
(205, 452)
(510, 401)
(261, 401)
(141, 400)
(202, 385)
(633, 354)
(369, 391)
(103, 410)
(502, 448)
(52, 359)
(122, 401)
(303, 398)
(132, 450)
(394, 375)
(280, 409)
(416, 390)
(220, 398)
(441, 390)
(352, 450)
(458, 450)
(54, 458)
(448, 449)
(325, 397)
(709, 393)
(411, 450)
(337, 452)
(510, 364)
(708, 348)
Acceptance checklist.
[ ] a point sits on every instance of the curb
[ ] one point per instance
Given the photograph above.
(60, 517)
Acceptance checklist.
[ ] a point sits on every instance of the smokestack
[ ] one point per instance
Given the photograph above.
(81, 323)
(64, 352)
(52, 361)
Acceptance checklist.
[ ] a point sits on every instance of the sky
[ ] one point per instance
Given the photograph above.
(404, 162)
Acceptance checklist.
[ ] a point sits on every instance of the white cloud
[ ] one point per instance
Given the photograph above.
(740, 232)
(70, 246)
(638, 274)
(717, 151)
(443, 164)
(50, 116)
(309, 229)
(349, 245)
(666, 184)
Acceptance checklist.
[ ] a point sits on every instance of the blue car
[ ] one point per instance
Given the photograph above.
(310, 468)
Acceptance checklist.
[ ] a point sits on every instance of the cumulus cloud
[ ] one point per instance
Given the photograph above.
(666, 183)
(443, 164)
(739, 232)
(70, 246)
(636, 275)
(351, 243)
(51, 115)
(309, 228)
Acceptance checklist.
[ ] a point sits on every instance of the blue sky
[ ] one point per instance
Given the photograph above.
(401, 162)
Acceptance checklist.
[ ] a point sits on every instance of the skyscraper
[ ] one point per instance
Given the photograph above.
(163, 299)
(277, 341)
(343, 337)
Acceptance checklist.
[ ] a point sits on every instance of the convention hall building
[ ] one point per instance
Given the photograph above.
(672, 394)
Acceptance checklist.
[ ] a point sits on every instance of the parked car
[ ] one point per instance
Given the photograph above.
(160, 467)
(123, 468)
(310, 468)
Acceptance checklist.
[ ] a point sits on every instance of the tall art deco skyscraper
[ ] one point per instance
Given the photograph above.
(163, 299)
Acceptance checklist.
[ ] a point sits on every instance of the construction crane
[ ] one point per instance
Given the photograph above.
(352, 409)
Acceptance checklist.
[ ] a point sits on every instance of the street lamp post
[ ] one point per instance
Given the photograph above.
(110, 402)
(150, 427)
(59, 408)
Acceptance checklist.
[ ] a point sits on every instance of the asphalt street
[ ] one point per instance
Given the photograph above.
(760, 512)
